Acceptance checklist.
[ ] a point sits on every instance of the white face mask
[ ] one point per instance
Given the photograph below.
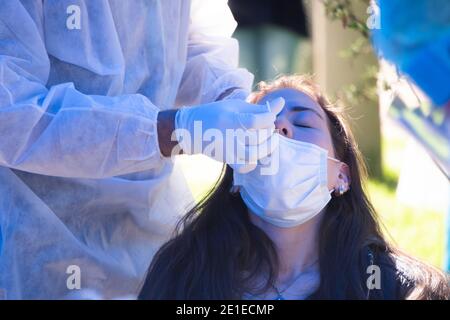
(296, 193)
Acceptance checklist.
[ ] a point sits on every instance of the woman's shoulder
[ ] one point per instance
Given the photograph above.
(393, 275)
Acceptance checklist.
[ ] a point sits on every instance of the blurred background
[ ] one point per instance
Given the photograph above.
(330, 39)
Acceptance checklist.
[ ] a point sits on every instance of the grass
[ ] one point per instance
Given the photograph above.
(419, 232)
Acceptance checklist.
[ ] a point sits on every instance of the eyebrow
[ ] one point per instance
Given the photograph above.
(301, 108)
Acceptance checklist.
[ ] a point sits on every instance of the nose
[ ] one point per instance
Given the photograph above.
(284, 127)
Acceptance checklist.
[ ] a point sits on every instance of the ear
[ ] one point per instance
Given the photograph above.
(343, 179)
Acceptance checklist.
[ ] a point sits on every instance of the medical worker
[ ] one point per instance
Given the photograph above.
(89, 92)
(416, 39)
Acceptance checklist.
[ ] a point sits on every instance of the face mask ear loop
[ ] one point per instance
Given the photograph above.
(334, 159)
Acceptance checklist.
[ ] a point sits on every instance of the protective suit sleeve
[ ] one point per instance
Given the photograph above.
(59, 131)
(213, 56)
(417, 40)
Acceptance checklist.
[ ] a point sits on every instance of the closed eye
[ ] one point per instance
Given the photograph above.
(302, 126)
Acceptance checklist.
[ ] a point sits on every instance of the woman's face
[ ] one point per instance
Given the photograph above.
(303, 119)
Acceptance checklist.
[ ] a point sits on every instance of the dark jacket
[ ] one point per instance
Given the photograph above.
(396, 283)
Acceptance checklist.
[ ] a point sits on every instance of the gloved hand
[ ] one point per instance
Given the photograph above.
(230, 131)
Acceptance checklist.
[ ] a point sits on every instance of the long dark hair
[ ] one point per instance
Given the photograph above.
(217, 253)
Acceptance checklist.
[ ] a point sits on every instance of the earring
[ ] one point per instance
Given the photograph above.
(341, 189)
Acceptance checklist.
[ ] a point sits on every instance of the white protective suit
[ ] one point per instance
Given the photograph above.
(82, 181)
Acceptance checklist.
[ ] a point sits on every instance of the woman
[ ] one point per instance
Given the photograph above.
(306, 232)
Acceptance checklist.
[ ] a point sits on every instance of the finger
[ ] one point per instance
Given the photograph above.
(260, 120)
(253, 108)
(252, 153)
(244, 168)
(268, 147)
(276, 105)
(252, 121)
(246, 154)
(246, 159)
(254, 137)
